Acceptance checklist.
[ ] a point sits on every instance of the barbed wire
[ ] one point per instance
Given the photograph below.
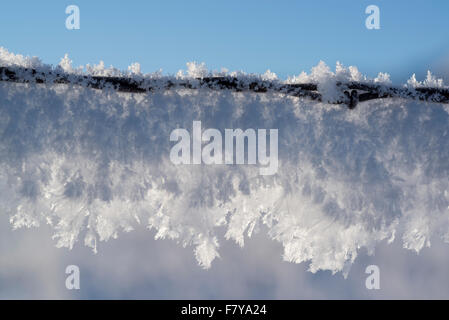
(352, 92)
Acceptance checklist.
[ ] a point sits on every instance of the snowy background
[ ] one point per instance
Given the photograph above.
(89, 171)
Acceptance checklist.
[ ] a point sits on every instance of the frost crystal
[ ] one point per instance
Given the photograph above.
(93, 164)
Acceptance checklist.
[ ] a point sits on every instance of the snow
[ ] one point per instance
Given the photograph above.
(93, 164)
(430, 81)
(134, 69)
(10, 59)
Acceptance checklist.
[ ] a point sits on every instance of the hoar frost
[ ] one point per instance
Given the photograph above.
(93, 164)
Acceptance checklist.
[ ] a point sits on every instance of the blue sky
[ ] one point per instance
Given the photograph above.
(284, 36)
